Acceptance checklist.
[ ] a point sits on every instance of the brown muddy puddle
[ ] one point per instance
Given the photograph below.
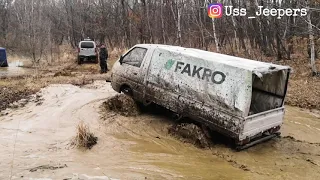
(15, 69)
(35, 144)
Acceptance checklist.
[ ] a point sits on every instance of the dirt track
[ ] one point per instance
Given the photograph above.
(35, 143)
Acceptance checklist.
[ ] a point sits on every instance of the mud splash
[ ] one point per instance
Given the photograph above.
(122, 104)
(16, 68)
(191, 133)
(139, 147)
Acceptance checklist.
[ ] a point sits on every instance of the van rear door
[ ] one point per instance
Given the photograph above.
(269, 91)
(87, 48)
(267, 103)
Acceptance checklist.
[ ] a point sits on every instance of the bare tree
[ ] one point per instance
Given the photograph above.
(311, 41)
(38, 27)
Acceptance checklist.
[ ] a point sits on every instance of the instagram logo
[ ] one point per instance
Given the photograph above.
(215, 10)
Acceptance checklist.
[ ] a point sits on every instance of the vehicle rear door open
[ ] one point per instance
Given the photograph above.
(269, 91)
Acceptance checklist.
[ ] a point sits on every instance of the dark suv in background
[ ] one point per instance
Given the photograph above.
(3, 57)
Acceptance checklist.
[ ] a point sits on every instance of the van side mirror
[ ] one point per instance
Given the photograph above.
(121, 59)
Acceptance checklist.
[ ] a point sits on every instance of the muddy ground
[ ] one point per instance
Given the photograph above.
(36, 133)
(35, 143)
(21, 87)
(21, 80)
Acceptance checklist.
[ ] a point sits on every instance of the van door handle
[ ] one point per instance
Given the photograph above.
(135, 73)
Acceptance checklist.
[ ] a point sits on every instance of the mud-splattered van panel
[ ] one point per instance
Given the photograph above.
(238, 97)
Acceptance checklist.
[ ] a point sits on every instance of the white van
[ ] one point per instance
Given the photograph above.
(240, 98)
(88, 51)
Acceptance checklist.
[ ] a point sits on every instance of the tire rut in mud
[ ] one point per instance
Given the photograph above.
(47, 167)
(290, 138)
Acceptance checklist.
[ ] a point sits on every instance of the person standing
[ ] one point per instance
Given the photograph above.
(103, 56)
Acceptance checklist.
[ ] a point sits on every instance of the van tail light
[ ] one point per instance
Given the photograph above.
(78, 50)
(96, 51)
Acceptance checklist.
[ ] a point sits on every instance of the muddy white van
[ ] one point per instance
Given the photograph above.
(240, 98)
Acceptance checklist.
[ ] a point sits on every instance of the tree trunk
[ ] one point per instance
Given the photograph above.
(215, 36)
(162, 23)
(311, 39)
(179, 22)
(216, 40)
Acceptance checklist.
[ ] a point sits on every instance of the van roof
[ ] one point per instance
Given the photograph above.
(1, 48)
(247, 64)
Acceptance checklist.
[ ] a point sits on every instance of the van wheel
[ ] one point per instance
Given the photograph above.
(127, 91)
(177, 117)
(4, 64)
(146, 103)
(79, 61)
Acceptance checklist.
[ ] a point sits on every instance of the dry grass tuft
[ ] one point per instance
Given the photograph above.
(84, 138)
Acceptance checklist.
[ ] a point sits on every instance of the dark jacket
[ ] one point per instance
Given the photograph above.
(103, 54)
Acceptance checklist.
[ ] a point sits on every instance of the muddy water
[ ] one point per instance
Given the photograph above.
(35, 143)
(15, 69)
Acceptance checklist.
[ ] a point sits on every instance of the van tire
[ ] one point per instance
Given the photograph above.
(146, 103)
(96, 60)
(126, 90)
(79, 61)
(4, 64)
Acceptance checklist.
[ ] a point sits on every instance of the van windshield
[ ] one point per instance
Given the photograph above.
(87, 45)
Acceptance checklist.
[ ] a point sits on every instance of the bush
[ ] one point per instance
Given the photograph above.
(84, 138)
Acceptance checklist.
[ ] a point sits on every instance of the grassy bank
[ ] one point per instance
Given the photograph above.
(304, 89)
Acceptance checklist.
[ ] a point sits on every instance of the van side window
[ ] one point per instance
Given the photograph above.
(135, 57)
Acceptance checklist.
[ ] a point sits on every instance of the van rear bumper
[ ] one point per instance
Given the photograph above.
(87, 56)
(259, 123)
